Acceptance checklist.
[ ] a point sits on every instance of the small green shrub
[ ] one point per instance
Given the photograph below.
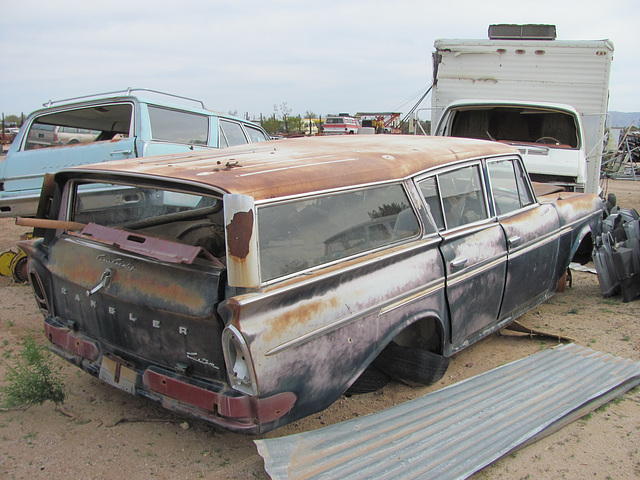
(31, 378)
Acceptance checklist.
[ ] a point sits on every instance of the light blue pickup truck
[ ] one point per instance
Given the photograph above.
(109, 126)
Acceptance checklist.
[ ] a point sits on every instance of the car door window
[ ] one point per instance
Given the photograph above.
(508, 186)
(429, 189)
(462, 196)
(232, 134)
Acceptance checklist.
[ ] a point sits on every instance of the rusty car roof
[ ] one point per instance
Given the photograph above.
(288, 167)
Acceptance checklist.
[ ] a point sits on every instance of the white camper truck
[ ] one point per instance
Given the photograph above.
(522, 86)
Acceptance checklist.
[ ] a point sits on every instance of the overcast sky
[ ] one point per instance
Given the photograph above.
(324, 56)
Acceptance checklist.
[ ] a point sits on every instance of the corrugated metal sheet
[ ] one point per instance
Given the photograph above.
(456, 431)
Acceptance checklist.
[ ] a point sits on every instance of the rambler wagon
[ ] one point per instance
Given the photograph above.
(253, 286)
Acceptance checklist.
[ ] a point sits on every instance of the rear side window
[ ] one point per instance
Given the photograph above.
(295, 236)
(178, 127)
(231, 134)
(509, 187)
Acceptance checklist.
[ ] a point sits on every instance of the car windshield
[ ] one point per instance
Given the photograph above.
(79, 125)
(517, 124)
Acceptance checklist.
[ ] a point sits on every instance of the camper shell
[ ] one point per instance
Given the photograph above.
(529, 66)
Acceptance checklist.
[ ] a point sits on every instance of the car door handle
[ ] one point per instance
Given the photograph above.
(513, 241)
(121, 152)
(459, 262)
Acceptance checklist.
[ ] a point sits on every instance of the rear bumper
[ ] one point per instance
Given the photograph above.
(211, 401)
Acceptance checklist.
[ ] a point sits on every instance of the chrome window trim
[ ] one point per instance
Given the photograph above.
(308, 271)
(532, 192)
(436, 172)
(305, 279)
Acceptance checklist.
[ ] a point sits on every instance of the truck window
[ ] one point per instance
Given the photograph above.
(517, 124)
(298, 235)
(231, 134)
(255, 135)
(79, 125)
(178, 127)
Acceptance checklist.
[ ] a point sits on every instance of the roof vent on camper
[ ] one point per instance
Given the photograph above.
(522, 32)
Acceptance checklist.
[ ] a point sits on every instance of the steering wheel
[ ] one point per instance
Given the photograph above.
(548, 140)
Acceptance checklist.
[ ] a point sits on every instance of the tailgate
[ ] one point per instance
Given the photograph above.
(147, 311)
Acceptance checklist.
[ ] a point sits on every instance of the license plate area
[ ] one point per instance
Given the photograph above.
(117, 372)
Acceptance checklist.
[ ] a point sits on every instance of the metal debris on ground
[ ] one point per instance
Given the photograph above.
(516, 326)
(623, 162)
(460, 429)
(617, 254)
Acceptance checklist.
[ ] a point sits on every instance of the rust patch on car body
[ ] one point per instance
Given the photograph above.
(239, 232)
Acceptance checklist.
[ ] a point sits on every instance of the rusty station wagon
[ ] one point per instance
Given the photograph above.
(253, 286)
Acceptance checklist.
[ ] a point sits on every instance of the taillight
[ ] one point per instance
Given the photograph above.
(238, 361)
(39, 292)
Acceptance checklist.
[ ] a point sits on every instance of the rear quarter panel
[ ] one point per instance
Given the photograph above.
(314, 335)
(580, 214)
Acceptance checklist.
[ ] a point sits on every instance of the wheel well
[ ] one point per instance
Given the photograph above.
(425, 334)
(584, 251)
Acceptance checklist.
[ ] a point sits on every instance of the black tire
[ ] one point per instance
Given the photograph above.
(412, 365)
(371, 380)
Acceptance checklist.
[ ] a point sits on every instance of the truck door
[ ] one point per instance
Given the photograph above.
(532, 234)
(473, 248)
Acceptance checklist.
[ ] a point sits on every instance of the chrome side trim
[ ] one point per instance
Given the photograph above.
(524, 249)
(476, 269)
(394, 304)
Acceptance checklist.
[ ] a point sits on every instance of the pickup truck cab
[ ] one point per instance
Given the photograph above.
(107, 127)
(550, 137)
(251, 287)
